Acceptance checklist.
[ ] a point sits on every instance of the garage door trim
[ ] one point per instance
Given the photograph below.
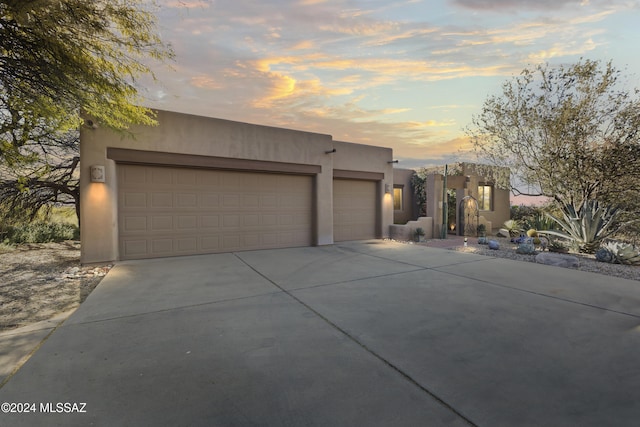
(158, 158)
(359, 175)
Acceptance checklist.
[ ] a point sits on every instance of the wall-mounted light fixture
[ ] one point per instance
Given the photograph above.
(330, 151)
(393, 161)
(387, 188)
(97, 173)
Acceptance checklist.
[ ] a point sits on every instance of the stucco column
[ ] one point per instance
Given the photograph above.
(98, 203)
(433, 188)
(324, 205)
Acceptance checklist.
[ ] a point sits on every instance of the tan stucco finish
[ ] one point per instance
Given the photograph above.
(185, 134)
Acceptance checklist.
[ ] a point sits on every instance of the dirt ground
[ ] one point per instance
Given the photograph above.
(37, 281)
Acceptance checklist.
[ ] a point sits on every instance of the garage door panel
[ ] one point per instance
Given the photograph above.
(161, 223)
(133, 177)
(135, 200)
(354, 209)
(159, 176)
(186, 244)
(136, 247)
(162, 246)
(186, 200)
(187, 222)
(167, 211)
(210, 244)
(209, 200)
(209, 221)
(135, 223)
(185, 177)
(230, 201)
(161, 200)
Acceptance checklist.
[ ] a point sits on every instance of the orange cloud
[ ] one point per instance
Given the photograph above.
(303, 45)
(205, 82)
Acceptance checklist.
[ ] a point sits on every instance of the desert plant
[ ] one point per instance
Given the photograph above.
(539, 221)
(557, 246)
(418, 233)
(482, 229)
(40, 232)
(618, 253)
(586, 226)
(522, 213)
(513, 227)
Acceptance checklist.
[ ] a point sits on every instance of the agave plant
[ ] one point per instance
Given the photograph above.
(618, 252)
(587, 226)
(513, 227)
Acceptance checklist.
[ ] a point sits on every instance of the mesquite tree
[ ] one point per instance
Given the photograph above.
(59, 56)
(58, 59)
(570, 133)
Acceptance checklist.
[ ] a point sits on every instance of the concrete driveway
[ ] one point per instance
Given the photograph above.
(362, 333)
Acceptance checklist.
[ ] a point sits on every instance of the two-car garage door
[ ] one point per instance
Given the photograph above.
(165, 211)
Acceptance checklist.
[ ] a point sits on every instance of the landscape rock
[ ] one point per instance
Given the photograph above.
(526, 248)
(559, 260)
(503, 232)
(494, 245)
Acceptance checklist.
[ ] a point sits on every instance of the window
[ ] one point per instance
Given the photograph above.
(485, 197)
(397, 198)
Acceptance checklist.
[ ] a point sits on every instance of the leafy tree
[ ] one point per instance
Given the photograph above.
(59, 56)
(56, 58)
(43, 171)
(569, 133)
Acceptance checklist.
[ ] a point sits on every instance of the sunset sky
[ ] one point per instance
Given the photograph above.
(402, 74)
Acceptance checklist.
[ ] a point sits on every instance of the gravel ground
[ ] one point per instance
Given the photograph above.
(38, 281)
(586, 262)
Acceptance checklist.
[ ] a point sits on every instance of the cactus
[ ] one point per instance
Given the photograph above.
(619, 253)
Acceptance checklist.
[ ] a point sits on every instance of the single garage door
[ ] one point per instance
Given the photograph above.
(165, 211)
(354, 209)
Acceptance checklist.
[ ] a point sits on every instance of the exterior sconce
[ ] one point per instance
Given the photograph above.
(97, 173)
(387, 188)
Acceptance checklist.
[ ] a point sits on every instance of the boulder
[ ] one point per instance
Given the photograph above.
(559, 260)
(526, 248)
(503, 232)
(494, 245)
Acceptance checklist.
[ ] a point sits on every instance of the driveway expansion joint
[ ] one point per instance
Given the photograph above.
(363, 346)
(541, 294)
(176, 308)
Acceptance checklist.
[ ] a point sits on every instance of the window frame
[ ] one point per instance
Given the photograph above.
(482, 196)
(401, 199)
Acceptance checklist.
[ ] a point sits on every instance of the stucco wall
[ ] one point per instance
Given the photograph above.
(409, 211)
(203, 136)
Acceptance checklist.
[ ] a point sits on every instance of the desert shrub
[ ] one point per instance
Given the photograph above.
(39, 232)
(539, 221)
(521, 213)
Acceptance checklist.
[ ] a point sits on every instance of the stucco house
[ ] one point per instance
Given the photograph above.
(194, 185)
(474, 193)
